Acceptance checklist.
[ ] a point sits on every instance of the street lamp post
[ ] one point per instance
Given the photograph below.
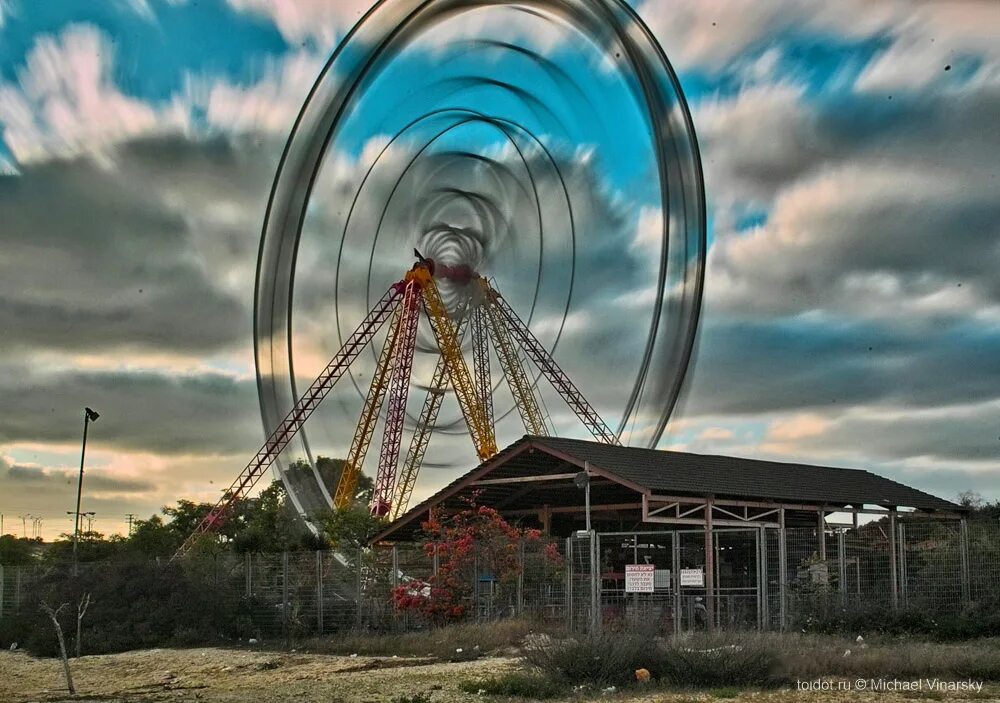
(88, 417)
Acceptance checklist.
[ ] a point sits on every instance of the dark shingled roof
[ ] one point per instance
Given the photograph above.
(698, 475)
(670, 473)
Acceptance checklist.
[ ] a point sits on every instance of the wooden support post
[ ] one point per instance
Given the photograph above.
(893, 574)
(783, 570)
(821, 534)
(545, 518)
(709, 566)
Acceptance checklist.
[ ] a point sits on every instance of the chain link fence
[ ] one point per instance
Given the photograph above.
(764, 578)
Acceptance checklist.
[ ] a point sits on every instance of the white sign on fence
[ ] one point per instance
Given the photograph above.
(639, 578)
(661, 578)
(692, 577)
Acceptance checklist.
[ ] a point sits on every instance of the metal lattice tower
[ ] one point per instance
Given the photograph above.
(491, 319)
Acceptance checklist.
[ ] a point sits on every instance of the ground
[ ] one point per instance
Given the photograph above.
(212, 675)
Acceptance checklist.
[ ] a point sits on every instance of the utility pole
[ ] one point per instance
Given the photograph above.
(130, 517)
(88, 416)
(24, 525)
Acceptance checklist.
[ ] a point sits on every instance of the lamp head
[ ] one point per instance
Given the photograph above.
(92, 415)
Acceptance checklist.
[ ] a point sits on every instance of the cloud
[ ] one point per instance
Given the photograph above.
(867, 241)
(712, 34)
(156, 253)
(268, 105)
(26, 477)
(210, 414)
(65, 102)
(797, 427)
(320, 21)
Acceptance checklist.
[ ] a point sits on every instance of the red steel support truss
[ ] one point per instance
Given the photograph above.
(287, 428)
(348, 484)
(422, 432)
(406, 340)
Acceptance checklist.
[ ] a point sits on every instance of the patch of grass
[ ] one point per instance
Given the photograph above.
(521, 684)
(803, 657)
(728, 692)
(474, 640)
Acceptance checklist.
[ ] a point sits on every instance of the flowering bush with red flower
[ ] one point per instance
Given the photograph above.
(471, 543)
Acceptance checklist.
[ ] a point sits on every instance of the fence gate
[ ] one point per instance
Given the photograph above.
(676, 598)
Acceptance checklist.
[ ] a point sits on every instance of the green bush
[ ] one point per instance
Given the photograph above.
(831, 616)
(134, 604)
(521, 684)
(606, 659)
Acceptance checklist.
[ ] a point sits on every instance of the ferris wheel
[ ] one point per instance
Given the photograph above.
(486, 213)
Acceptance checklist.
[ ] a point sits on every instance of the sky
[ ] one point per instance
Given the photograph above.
(852, 306)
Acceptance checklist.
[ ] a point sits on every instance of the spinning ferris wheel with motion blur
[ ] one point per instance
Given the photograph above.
(486, 214)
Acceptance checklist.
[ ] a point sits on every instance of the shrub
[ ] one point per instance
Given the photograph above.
(606, 659)
(830, 616)
(718, 661)
(522, 684)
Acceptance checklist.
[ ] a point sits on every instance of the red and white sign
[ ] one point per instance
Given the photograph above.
(639, 578)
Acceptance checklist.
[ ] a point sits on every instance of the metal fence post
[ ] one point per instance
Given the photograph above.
(284, 597)
(248, 573)
(963, 555)
(901, 552)
(783, 568)
(319, 591)
(394, 581)
(358, 616)
(569, 583)
(762, 585)
(709, 566)
(675, 545)
(595, 583)
(893, 572)
(842, 566)
(475, 585)
(519, 607)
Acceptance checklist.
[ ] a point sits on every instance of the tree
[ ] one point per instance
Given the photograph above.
(17, 550)
(54, 617)
(349, 529)
(472, 542)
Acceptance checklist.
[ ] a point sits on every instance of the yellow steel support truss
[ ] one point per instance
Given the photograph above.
(348, 484)
(465, 390)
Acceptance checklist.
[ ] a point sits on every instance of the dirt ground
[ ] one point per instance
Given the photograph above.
(230, 675)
